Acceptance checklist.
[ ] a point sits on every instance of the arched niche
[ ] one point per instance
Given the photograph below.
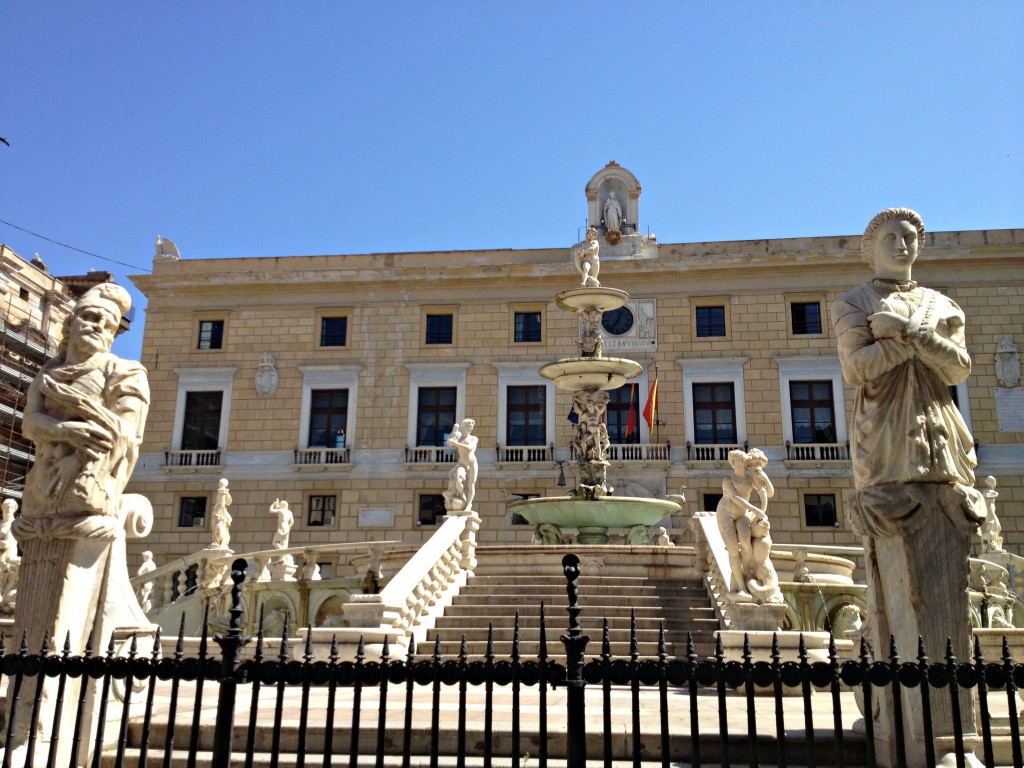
(614, 178)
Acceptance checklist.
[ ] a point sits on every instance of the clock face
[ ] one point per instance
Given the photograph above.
(618, 321)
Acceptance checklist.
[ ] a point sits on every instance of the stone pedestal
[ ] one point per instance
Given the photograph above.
(283, 569)
(917, 542)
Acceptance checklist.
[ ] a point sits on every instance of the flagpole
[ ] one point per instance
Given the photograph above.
(657, 426)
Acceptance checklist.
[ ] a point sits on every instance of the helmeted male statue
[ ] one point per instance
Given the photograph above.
(903, 346)
(85, 412)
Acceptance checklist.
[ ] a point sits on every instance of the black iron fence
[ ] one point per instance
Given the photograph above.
(271, 709)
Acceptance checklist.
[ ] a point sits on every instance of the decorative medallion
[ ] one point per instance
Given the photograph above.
(612, 236)
(266, 375)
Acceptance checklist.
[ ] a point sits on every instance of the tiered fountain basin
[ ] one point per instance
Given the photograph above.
(593, 519)
(586, 297)
(591, 373)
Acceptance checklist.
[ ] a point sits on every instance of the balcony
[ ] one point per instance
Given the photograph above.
(322, 459)
(429, 454)
(636, 453)
(817, 453)
(192, 461)
(712, 452)
(525, 454)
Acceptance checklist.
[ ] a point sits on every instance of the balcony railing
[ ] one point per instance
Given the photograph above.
(322, 456)
(635, 452)
(430, 454)
(524, 454)
(192, 458)
(817, 451)
(712, 451)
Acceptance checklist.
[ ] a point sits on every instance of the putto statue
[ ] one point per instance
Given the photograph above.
(462, 479)
(902, 346)
(745, 529)
(588, 261)
(285, 521)
(221, 516)
(85, 412)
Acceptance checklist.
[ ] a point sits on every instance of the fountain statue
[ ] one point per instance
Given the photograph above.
(591, 508)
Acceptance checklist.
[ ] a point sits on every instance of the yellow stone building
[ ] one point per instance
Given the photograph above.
(332, 381)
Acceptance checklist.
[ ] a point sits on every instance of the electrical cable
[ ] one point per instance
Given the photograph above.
(73, 248)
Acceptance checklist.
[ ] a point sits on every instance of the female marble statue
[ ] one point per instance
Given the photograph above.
(612, 213)
(902, 346)
(464, 475)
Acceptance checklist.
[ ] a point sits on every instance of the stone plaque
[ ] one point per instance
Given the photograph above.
(1010, 408)
(632, 328)
(376, 517)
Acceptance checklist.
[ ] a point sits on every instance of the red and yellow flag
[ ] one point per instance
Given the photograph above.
(631, 421)
(652, 404)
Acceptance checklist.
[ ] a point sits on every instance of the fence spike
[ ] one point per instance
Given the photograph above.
(334, 650)
(88, 647)
(489, 654)
(978, 657)
(156, 644)
(283, 655)
(179, 649)
(24, 643)
(437, 650)
(922, 657)
(802, 650)
(110, 647)
(463, 650)
(515, 639)
(3, 642)
(205, 633)
(894, 657)
(747, 655)
(412, 649)
(691, 649)
(606, 642)
(361, 650)
(45, 649)
(385, 652)
(776, 651)
(662, 647)
(719, 651)
(1007, 656)
(308, 655)
(864, 655)
(542, 647)
(67, 645)
(634, 643)
(950, 656)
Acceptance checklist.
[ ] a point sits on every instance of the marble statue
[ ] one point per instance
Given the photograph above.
(588, 261)
(991, 540)
(612, 213)
(902, 347)
(166, 250)
(285, 521)
(745, 528)
(85, 411)
(1007, 363)
(462, 478)
(146, 589)
(10, 560)
(221, 516)
(591, 341)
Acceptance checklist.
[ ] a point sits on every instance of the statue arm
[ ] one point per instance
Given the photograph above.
(863, 357)
(948, 357)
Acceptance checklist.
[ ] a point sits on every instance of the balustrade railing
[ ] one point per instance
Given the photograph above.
(817, 451)
(432, 454)
(192, 458)
(522, 454)
(711, 451)
(322, 456)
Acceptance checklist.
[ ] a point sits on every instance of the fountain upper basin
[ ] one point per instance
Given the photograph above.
(591, 373)
(609, 512)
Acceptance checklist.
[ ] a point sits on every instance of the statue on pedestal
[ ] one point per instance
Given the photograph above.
(146, 589)
(462, 479)
(10, 560)
(902, 346)
(588, 260)
(85, 412)
(745, 528)
(221, 516)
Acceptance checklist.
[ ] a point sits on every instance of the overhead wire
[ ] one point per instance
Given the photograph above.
(72, 247)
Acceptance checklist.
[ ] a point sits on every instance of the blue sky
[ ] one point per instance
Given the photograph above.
(268, 128)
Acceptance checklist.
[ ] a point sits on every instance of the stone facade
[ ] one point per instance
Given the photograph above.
(773, 296)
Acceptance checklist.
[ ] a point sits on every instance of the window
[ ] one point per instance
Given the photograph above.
(527, 326)
(208, 382)
(439, 329)
(431, 509)
(619, 406)
(192, 512)
(820, 510)
(333, 331)
(435, 414)
(711, 501)
(201, 427)
(818, 392)
(710, 321)
(813, 411)
(23, 294)
(525, 414)
(805, 317)
(717, 373)
(321, 510)
(328, 418)
(714, 414)
(211, 334)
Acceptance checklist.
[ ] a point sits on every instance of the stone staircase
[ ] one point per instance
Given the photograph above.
(614, 585)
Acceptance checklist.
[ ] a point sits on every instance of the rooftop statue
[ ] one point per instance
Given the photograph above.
(902, 347)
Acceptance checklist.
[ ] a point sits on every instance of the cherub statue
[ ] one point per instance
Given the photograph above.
(588, 262)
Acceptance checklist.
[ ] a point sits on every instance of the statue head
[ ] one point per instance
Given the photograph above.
(95, 318)
(467, 426)
(9, 506)
(888, 230)
(591, 233)
(737, 459)
(222, 484)
(756, 458)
